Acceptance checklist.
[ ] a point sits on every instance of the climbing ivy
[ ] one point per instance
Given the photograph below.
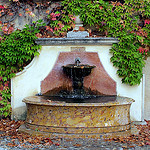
(129, 22)
(16, 50)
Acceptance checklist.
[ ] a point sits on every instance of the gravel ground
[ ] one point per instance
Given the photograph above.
(11, 139)
(70, 144)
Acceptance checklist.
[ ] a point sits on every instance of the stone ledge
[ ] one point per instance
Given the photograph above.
(46, 101)
(103, 136)
(76, 41)
(78, 130)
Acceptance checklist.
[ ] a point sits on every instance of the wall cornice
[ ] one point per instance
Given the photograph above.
(76, 41)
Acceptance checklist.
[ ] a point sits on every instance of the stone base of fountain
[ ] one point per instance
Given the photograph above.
(126, 133)
(51, 118)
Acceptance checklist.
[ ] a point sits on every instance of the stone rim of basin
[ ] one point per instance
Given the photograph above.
(41, 100)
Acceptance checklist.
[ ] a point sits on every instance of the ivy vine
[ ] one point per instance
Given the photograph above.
(16, 50)
(129, 22)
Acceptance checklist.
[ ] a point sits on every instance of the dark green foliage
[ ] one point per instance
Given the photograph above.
(16, 51)
(122, 21)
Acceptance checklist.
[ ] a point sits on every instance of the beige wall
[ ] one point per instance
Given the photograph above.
(146, 71)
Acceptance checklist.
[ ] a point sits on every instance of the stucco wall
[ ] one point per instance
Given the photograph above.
(146, 71)
(27, 83)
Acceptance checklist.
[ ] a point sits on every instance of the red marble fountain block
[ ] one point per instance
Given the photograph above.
(98, 81)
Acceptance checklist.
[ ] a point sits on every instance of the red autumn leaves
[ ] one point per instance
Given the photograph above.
(142, 139)
(9, 129)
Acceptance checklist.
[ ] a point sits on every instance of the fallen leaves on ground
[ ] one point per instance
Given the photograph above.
(142, 139)
(77, 145)
(9, 130)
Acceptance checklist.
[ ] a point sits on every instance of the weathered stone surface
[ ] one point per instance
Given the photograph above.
(146, 106)
(78, 49)
(85, 137)
(79, 34)
(77, 41)
(19, 113)
(98, 81)
(85, 118)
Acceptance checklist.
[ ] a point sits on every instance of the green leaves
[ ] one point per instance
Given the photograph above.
(129, 61)
(123, 22)
(16, 51)
(59, 22)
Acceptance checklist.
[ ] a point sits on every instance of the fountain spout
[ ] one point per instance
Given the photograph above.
(77, 73)
(77, 61)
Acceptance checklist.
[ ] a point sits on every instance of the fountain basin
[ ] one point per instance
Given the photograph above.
(79, 71)
(46, 115)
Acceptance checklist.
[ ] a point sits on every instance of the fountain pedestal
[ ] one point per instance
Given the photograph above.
(58, 118)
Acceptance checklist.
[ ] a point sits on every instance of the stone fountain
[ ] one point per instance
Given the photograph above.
(77, 73)
(86, 106)
(78, 98)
